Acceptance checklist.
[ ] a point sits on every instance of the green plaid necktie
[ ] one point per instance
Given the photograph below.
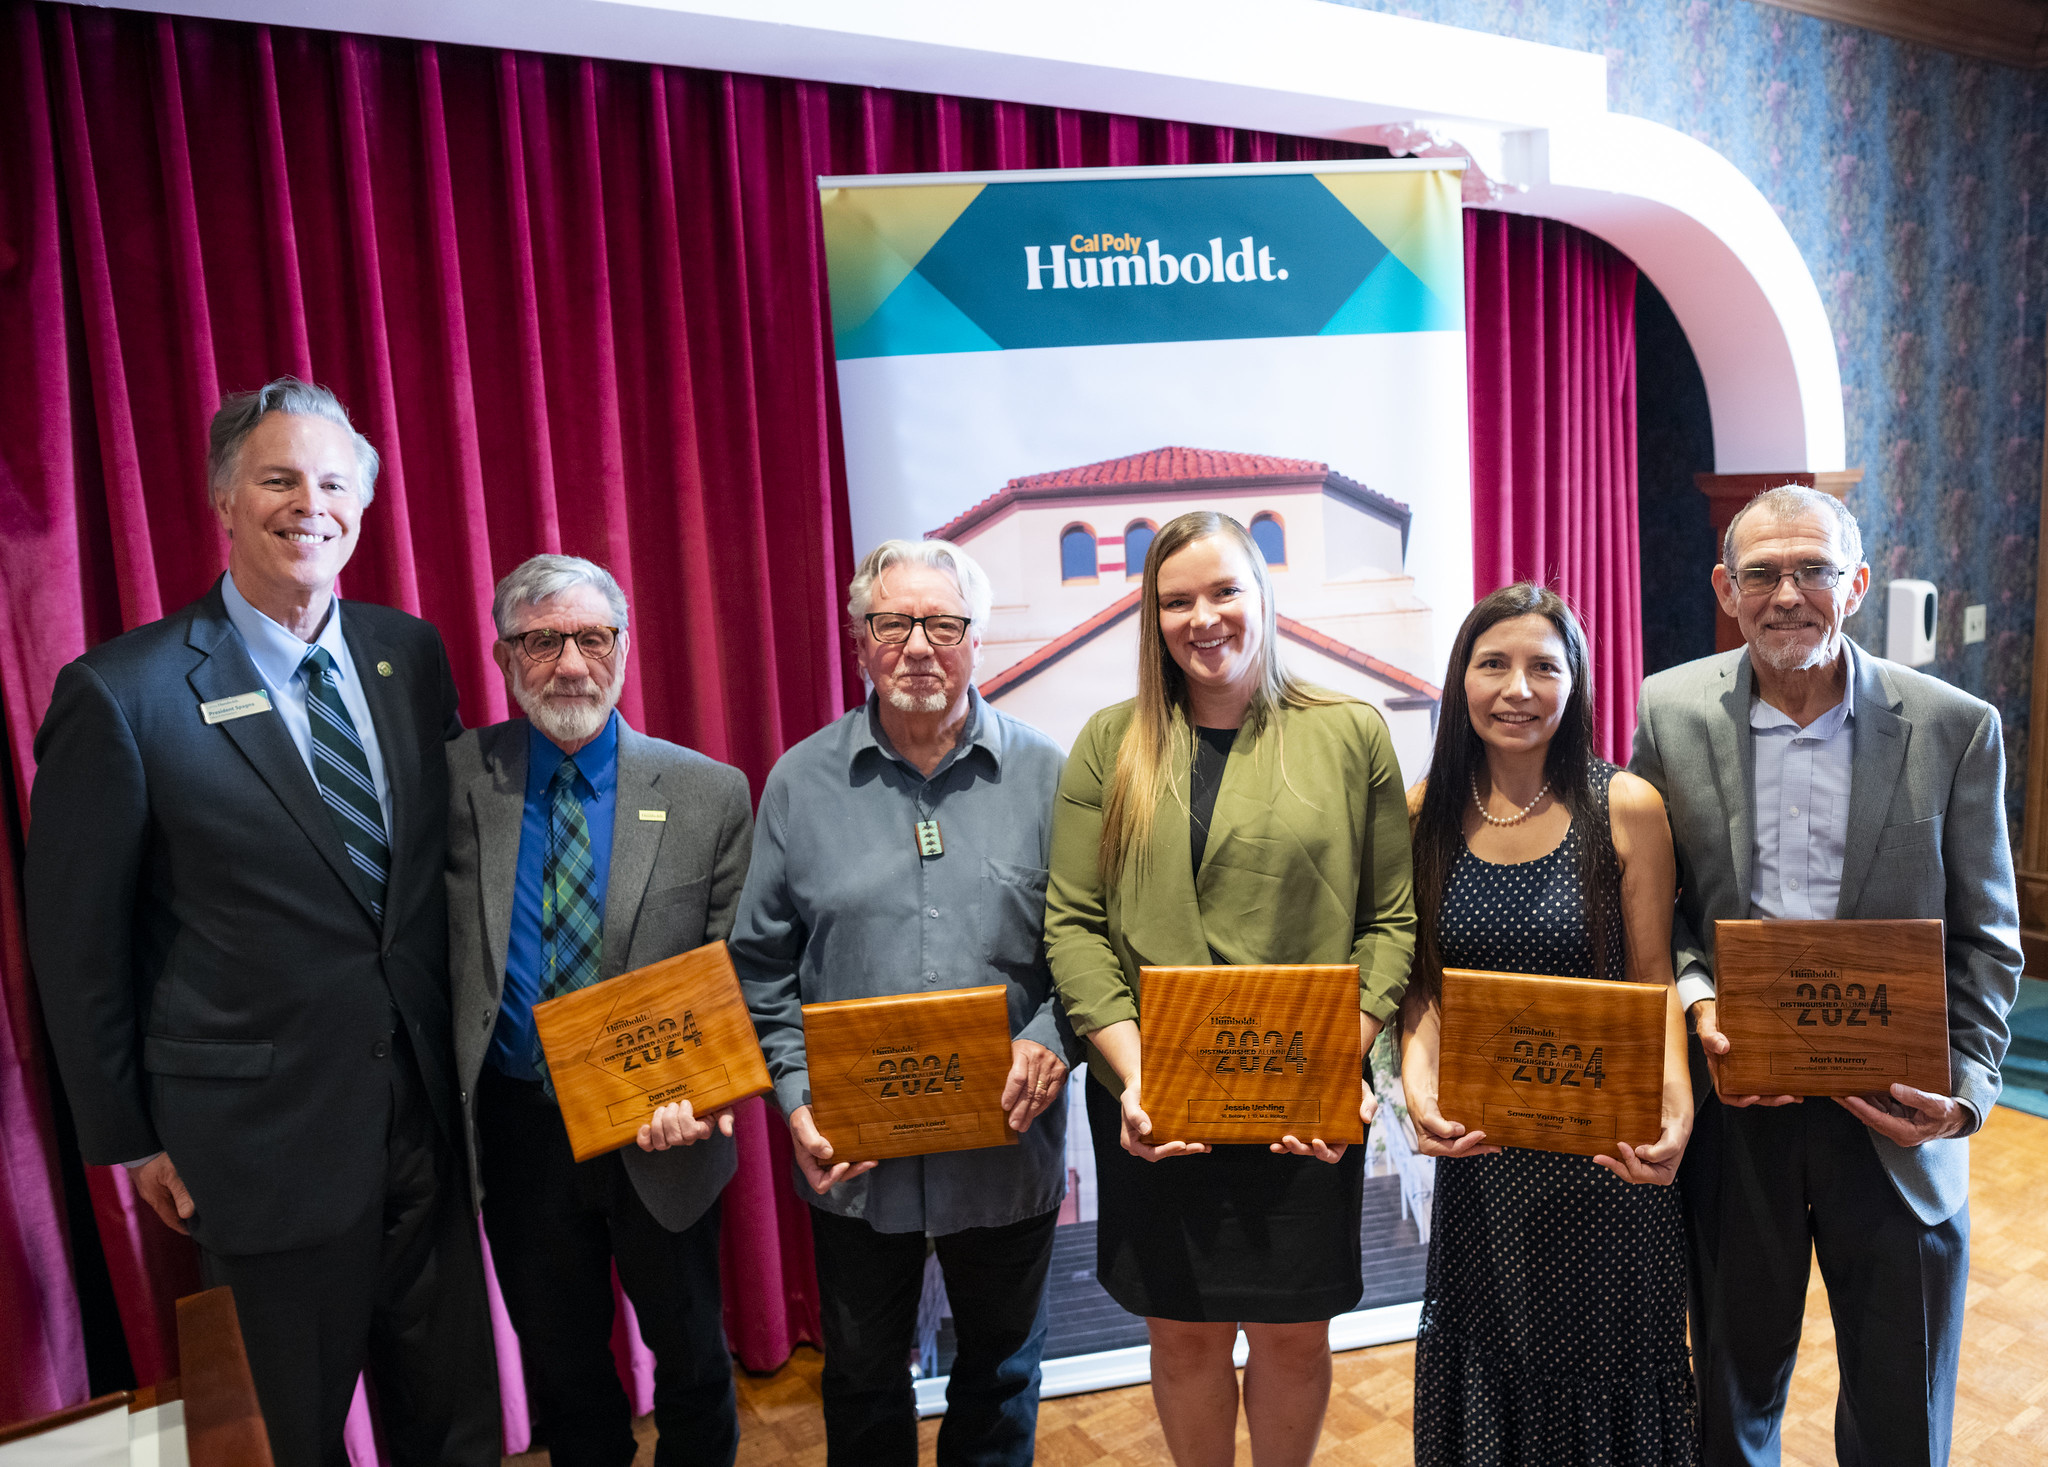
(342, 770)
(570, 922)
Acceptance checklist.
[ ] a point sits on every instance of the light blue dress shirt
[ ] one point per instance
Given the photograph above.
(512, 1050)
(1801, 788)
(279, 654)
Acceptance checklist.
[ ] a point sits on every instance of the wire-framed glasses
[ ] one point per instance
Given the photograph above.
(1760, 580)
(545, 644)
(894, 628)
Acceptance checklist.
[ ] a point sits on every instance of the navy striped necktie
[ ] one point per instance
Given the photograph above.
(342, 770)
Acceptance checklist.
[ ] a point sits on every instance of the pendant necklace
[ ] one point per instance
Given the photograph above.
(1515, 819)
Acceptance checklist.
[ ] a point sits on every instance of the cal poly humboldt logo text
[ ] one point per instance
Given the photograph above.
(1092, 260)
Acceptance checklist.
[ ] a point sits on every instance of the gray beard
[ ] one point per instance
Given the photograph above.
(1797, 659)
(565, 723)
(904, 702)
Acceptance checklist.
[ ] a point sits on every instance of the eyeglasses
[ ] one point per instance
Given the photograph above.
(1764, 580)
(545, 644)
(894, 628)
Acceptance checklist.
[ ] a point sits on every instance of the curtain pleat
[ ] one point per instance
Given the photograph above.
(1550, 358)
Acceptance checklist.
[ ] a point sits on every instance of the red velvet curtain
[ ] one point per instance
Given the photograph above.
(1550, 322)
(578, 305)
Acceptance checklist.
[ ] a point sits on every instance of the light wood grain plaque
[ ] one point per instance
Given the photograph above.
(674, 1030)
(1552, 1064)
(910, 1075)
(1246, 1055)
(1831, 1008)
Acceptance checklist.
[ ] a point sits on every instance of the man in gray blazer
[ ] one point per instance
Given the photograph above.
(1806, 778)
(579, 849)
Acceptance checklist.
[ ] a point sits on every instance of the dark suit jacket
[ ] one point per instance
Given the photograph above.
(214, 982)
(1926, 838)
(674, 885)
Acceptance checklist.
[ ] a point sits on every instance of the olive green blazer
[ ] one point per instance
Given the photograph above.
(1307, 862)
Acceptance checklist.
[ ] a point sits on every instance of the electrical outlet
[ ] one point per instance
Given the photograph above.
(1973, 624)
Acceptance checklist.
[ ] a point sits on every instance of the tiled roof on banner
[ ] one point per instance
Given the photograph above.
(1165, 467)
(1173, 466)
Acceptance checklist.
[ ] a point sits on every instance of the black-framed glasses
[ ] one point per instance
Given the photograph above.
(545, 644)
(1764, 580)
(895, 628)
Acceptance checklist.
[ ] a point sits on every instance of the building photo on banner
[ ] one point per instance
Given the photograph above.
(1046, 367)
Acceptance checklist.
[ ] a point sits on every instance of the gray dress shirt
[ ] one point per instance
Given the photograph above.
(839, 904)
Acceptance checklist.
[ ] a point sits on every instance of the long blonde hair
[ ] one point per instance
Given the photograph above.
(1143, 776)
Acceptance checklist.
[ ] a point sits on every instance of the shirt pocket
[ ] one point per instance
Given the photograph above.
(1013, 915)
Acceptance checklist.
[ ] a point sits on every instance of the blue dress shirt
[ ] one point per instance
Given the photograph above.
(279, 655)
(512, 1048)
(1801, 834)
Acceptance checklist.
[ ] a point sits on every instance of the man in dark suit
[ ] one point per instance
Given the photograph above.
(240, 940)
(1807, 779)
(580, 849)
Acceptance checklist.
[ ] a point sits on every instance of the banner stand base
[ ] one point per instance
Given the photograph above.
(1074, 1375)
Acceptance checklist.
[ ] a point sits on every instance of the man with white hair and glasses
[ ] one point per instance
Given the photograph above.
(1807, 779)
(844, 900)
(579, 848)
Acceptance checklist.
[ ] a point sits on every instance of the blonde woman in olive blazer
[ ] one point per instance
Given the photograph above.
(1229, 814)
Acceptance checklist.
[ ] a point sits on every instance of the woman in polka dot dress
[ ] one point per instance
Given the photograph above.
(1553, 1322)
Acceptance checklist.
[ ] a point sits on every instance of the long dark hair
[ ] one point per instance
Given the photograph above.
(1459, 753)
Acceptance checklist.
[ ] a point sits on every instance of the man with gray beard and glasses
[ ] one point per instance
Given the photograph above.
(579, 849)
(1807, 779)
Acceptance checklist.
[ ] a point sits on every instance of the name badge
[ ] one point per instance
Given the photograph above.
(661, 815)
(220, 710)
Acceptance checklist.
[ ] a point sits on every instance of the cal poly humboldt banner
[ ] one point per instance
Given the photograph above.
(1045, 367)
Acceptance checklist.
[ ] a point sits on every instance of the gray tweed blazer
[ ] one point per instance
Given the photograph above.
(673, 886)
(1927, 838)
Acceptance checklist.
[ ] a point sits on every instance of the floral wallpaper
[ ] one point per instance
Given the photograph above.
(1912, 181)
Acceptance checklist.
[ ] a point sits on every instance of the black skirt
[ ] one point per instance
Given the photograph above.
(1236, 1235)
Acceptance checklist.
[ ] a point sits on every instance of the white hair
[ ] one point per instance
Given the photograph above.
(1789, 502)
(939, 555)
(544, 577)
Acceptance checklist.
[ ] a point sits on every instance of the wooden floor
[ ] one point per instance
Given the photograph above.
(2001, 1411)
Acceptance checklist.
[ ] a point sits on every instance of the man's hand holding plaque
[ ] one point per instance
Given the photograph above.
(1853, 1010)
(634, 1058)
(908, 1076)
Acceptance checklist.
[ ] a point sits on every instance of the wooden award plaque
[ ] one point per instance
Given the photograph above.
(674, 1030)
(1553, 1064)
(1831, 1008)
(911, 1075)
(1246, 1055)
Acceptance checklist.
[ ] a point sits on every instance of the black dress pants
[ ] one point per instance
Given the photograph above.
(400, 1293)
(558, 1227)
(868, 1286)
(1772, 1188)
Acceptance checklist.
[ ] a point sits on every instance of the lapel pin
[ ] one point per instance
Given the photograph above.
(384, 669)
(658, 815)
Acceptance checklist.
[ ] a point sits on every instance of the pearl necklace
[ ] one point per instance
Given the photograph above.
(1515, 819)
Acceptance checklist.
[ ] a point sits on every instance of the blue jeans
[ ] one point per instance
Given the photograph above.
(869, 1284)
